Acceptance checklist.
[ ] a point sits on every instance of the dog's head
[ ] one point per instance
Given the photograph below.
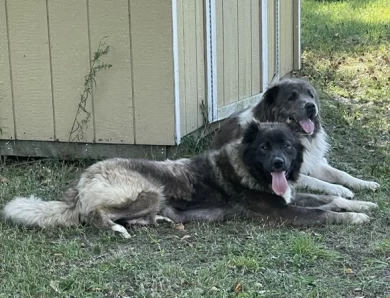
(272, 153)
(292, 101)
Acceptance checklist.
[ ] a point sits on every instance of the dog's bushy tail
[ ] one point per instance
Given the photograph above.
(34, 211)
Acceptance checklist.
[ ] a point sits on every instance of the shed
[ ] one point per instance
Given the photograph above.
(174, 62)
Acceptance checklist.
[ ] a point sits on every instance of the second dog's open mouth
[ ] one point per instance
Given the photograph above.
(306, 124)
(279, 183)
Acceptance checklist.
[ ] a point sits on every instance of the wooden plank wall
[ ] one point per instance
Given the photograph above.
(46, 48)
(238, 50)
(286, 37)
(192, 85)
(42, 69)
(271, 18)
(7, 128)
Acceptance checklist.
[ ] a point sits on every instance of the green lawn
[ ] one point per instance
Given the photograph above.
(346, 55)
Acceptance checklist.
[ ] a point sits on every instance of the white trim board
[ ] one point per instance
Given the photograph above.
(175, 49)
(226, 111)
(211, 58)
(264, 44)
(277, 32)
(297, 35)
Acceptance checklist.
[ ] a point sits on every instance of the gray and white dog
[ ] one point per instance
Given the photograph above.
(252, 177)
(296, 102)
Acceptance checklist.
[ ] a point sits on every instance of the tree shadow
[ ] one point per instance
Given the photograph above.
(358, 139)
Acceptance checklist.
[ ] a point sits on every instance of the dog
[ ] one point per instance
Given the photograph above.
(252, 177)
(296, 102)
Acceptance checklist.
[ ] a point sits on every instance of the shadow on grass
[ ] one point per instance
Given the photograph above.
(357, 138)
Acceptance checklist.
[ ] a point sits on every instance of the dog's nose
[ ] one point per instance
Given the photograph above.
(311, 109)
(278, 163)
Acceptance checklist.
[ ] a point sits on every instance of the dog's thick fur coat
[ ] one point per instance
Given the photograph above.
(234, 181)
(295, 102)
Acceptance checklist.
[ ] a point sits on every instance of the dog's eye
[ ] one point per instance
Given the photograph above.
(293, 96)
(263, 147)
(310, 93)
(287, 146)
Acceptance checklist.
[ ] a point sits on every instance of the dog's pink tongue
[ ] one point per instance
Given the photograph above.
(307, 125)
(279, 183)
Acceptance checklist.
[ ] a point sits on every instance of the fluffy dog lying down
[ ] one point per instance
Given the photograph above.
(295, 102)
(249, 178)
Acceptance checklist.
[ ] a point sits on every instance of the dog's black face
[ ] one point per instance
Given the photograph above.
(272, 152)
(291, 101)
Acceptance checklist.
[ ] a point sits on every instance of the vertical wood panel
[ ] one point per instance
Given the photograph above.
(297, 34)
(70, 63)
(190, 71)
(286, 37)
(30, 61)
(219, 19)
(151, 37)
(256, 62)
(244, 49)
(113, 102)
(182, 86)
(200, 58)
(230, 34)
(6, 110)
(271, 39)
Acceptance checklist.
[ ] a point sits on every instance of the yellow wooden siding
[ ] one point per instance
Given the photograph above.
(70, 62)
(286, 37)
(230, 50)
(113, 100)
(30, 62)
(219, 24)
(153, 79)
(7, 129)
(192, 81)
(256, 47)
(244, 49)
(200, 58)
(52, 42)
(238, 43)
(190, 72)
(271, 39)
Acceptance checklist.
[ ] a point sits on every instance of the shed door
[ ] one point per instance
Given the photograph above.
(248, 47)
(237, 59)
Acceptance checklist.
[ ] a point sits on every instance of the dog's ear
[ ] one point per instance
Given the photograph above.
(251, 132)
(270, 95)
(263, 110)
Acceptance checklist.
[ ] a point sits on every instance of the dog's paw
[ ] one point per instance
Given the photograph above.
(341, 191)
(163, 218)
(363, 206)
(358, 218)
(370, 185)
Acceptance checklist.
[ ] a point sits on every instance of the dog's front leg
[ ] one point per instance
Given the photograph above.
(312, 183)
(302, 216)
(332, 203)
(327, 173)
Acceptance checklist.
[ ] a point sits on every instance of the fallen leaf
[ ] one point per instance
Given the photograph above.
(348, 270)
(237, 288)
(3, 179)
(54, 284)
(185, 237)
(180, 227)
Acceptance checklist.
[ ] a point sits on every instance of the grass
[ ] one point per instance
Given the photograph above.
(345, 57)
